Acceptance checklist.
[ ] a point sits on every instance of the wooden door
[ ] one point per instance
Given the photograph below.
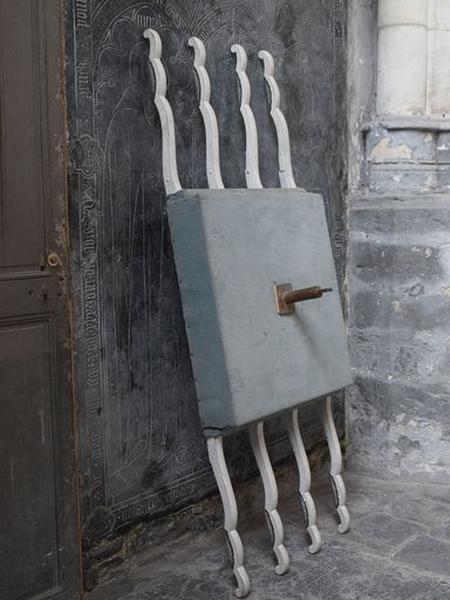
(39, 551)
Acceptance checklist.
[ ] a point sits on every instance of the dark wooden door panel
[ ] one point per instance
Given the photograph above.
(39, 554)
(23, 119)
(26, 296)
(29, 528)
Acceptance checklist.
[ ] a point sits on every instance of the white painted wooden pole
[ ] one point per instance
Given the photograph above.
(220, 469)
(172, 185)
(258, 443)
(209, 116)
(340, 494)
(307, 502)
(284, 145)
(169, 158)
(304, 486)
(251, 149)
(256, 430)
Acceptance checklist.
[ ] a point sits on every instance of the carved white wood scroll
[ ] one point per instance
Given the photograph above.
(172, 185)
(251, 153)
(287, 181)
(270, 496)
(169, 153)
(304, 475)
(215, 445)
(209, 116)
(340, 494)
(219, 466)
(306, 500)
(256, 431)
(284, 146)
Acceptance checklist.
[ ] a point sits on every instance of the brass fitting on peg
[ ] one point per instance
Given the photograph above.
(286, 297)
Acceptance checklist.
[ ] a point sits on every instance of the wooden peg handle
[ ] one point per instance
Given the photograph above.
(286, 297)
(304, 294)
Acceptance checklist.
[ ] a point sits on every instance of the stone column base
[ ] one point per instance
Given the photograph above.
(407, 155)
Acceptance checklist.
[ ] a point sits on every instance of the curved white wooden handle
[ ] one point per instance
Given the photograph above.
(258, 443)
(169, 152)
(340, 494)
(219, 466)
(251, 153)
(287, 181)
(304, 490)
(209, 116)
(284, 146)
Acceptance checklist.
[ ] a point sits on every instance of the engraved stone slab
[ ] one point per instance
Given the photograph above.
(231, 247)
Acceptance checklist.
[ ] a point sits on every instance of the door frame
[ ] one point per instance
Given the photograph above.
(65, 421)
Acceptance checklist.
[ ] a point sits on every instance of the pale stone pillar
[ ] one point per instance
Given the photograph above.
(408, 144)
(402, 57)
(438, 93)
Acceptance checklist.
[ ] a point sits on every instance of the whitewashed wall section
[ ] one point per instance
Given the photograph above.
(438, 89)
(413, 51)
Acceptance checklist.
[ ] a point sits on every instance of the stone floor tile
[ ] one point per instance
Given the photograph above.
(428, 554)
(382, 533)
(389, 554)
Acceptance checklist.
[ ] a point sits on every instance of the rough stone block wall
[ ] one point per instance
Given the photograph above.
(399, 325)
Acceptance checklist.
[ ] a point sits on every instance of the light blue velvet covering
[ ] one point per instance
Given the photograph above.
(230, 247)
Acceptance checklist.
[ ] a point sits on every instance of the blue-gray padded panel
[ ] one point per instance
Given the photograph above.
(230, 247)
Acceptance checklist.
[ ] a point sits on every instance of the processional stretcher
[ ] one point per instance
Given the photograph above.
(260, 303)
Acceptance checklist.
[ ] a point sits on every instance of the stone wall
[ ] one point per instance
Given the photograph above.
(399, 325)
(399, 261)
